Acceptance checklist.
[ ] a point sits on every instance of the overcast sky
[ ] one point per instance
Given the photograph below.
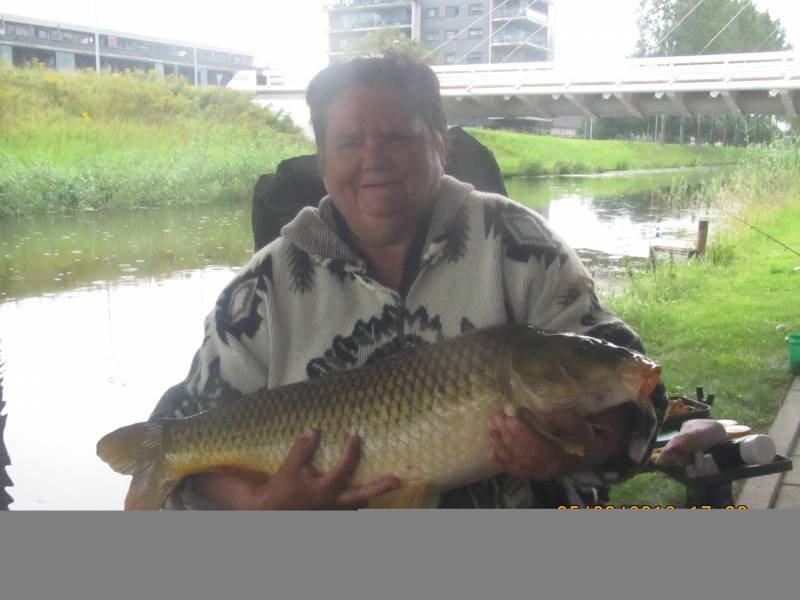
(291, 35)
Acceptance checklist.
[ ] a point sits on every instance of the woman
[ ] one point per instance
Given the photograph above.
(397, 255)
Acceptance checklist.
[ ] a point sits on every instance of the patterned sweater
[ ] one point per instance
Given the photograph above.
(307, 304)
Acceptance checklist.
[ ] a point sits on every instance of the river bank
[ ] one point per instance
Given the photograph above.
(75, 141)
(721, 323)
(531, 155)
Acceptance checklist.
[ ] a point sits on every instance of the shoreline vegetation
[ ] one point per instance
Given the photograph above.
(73, 141)
(521, 155)
(76, 141)
(720, 323)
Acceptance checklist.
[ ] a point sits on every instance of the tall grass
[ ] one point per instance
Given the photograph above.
(527, 155)
(80, 141)
(721, 322)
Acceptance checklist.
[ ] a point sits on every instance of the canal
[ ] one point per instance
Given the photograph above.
(100, 312)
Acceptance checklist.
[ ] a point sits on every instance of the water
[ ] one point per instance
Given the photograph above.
(101, 312)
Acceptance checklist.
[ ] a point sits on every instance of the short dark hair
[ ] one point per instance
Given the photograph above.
(414, 79)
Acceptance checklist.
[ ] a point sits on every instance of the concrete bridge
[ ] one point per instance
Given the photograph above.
(766, 83)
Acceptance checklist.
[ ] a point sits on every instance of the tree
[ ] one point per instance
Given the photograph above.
(691, 27)
(376, 43)
(713, 27)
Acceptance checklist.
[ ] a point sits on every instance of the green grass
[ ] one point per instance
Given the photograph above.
(71, 141)
(527, 155)
(721, 323)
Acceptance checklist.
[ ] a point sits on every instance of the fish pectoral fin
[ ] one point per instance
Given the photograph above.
(149, 488)
(415, 494)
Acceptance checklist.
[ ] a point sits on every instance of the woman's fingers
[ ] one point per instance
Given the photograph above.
(302, 451)
(358, 496)
(338, 477)
(501, 455)
(525, 453)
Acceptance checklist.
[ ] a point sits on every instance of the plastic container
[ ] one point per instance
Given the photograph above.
(750, 450)
(793, 339)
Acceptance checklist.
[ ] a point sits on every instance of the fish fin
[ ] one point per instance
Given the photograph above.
(149, 488)
(136, 449)
(129, 448)
(416, 494)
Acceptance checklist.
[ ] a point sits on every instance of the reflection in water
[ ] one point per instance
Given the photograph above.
(101, 312)
(610, 217)
(81, 363)
(56, 253)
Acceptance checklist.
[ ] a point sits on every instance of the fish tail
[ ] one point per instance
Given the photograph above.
(137, 449)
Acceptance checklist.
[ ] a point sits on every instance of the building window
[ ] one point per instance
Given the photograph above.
(451, 11)
(450, 34)
(432, 13)
(26, 30)
(475, 9)
(449, 58)
(431, 36)
(474, 57)
(476, 33)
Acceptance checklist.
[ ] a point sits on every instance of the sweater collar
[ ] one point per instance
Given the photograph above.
(314, 230)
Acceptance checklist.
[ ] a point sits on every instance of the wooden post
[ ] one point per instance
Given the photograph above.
(702, 237)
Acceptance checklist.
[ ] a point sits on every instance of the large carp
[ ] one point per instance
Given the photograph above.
(422, 415)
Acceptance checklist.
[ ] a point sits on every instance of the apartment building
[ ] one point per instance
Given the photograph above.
(65, 46)
(455, 31)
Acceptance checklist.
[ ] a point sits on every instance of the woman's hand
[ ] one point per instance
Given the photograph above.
(522, 452)
(296, 485)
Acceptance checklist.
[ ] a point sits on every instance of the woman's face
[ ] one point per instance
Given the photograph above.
(379, 162)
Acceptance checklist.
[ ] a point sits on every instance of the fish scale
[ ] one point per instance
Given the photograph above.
(422, 415)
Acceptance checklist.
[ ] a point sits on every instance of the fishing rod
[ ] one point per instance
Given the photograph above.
(764, 233)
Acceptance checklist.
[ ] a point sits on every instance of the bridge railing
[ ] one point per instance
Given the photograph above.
(725, 70)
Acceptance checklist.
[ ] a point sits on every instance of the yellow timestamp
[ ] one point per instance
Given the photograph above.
(647, 507)
(726, 507)
(617, 507)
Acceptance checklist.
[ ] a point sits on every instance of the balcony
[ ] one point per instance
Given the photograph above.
(534, 16)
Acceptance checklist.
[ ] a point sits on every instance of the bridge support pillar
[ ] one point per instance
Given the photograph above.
(65, 61)
(202, 76)
(6, 54)
(159, 66)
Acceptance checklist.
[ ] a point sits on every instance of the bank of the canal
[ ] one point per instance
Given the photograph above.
(529, 155)
(72, 141)
(721, 323)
